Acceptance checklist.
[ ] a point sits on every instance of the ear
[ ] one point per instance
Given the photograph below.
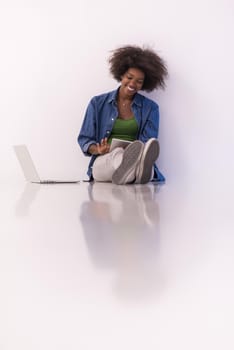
(122, 76)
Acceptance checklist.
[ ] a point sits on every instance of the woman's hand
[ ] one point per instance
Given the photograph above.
(99, 148)
(103, 147)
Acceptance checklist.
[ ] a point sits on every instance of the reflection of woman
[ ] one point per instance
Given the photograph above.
(123, 234)
(120, 215)
(125, 114)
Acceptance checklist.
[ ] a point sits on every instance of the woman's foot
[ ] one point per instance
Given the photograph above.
(126, 172)
(149, 155)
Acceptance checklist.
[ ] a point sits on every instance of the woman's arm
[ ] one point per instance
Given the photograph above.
(88, 131)
(150, 123)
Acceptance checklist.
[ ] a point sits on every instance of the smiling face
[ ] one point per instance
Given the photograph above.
(131, 82)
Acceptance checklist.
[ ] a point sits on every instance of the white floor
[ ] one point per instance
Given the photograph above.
(116, 267)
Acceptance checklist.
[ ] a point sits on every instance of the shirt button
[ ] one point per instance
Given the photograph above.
(108, 132)
(112, 119)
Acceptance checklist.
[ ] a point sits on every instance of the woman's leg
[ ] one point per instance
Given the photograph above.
(105, 165)
(145, 166)
(129, 165)
(126, 172)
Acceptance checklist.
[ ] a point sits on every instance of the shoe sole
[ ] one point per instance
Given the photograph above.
(131, 157)
(149, 156)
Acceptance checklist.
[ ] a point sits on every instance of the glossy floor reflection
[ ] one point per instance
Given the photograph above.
(101, 266)
(121, 230)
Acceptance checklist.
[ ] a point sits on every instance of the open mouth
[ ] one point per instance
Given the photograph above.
(131, 89)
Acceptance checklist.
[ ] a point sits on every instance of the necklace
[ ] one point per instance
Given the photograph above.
(125, 104)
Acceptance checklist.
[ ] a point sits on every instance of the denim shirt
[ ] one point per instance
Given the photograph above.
(100, 117)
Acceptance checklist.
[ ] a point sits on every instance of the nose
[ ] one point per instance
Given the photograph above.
(133, 85)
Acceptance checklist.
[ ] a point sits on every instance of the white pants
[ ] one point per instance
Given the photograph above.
(106, 164)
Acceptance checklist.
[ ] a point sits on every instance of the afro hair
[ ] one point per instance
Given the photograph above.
(145, 59)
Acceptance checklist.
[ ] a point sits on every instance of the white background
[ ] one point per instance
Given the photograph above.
(54, 59)
(116, 267)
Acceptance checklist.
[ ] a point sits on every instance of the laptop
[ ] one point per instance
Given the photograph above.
(29, 168)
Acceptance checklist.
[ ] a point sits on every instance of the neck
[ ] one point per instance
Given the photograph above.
(123, 98)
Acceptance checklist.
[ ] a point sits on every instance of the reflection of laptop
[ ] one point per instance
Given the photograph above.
(29, 169)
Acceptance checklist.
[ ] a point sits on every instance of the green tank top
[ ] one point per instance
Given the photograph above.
(124, 129)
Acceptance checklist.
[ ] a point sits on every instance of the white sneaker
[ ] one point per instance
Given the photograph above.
(149, 155)
(126, 172)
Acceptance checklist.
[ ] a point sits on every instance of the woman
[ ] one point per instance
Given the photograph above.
(125, 114)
